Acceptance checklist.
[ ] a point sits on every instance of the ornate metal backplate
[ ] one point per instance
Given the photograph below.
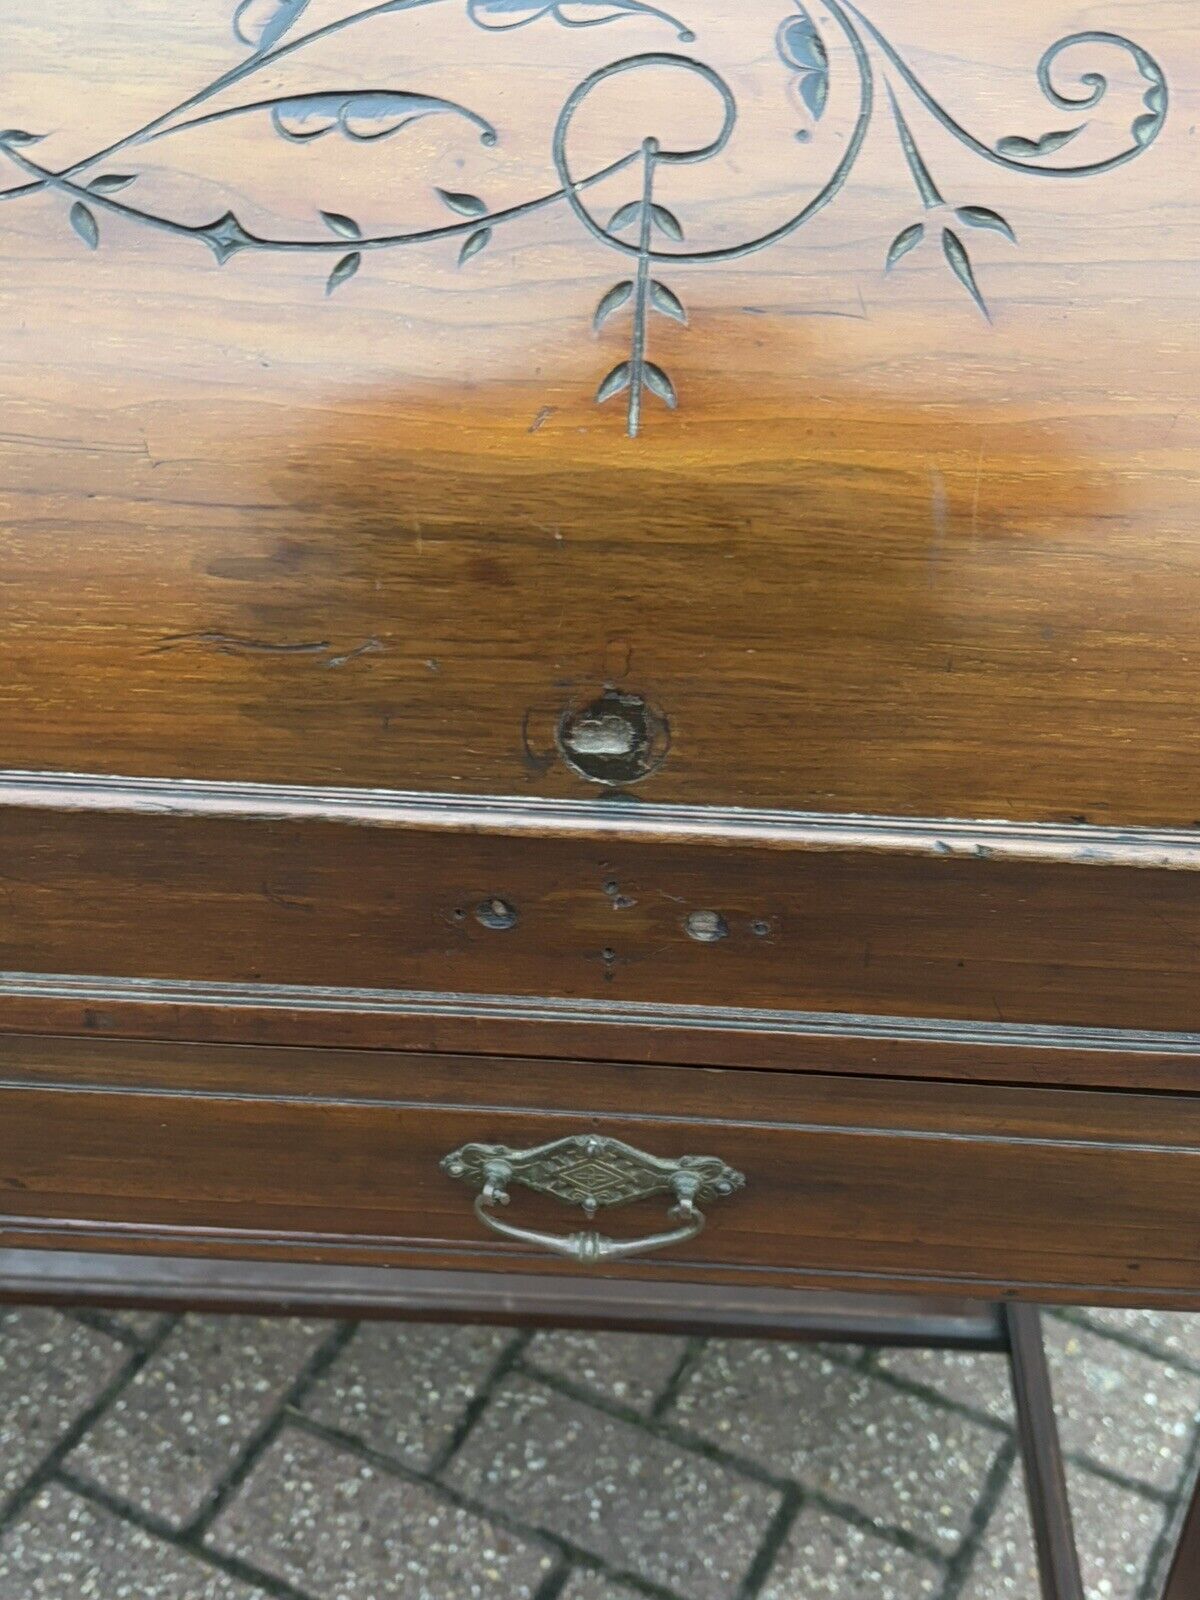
(593, 1172)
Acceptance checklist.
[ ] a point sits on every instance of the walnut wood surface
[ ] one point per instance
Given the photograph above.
(886, 555)
(334, 1156)
(311, 476)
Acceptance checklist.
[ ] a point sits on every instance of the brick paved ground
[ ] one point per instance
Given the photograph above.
(228, 1458)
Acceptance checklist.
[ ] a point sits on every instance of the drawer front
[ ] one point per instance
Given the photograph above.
(623, 908)
(851, 1182)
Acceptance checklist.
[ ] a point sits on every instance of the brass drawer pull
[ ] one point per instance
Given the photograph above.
(591, 1172)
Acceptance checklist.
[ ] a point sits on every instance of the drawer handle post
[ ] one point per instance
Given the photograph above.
(592, 1172)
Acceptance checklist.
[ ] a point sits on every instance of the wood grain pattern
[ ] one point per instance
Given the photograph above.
(886, 555)
(783, 411)
(334, 1156)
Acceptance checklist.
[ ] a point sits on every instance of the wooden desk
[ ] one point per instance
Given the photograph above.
(607, 577)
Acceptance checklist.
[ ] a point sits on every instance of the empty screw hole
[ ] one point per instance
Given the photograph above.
(760, 928)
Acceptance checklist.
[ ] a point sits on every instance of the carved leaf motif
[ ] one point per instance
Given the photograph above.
(906, 240)
(800, 45)
(982, 217)
(667, 301)
(474, 243)
(467, 205)
(1015, 145)
(667, 221)
(612, 301)
(84, 224)
(261, 24)
(814, 91)
(112, 182)
(363, 117)
(658, 383)
(624, 215)
(587, 13)
(615, 383)
(345, 269)
(501, 14)
(344, 227)
(366, 115)
(960, 265)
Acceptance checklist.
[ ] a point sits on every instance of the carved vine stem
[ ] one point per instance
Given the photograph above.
(646, 294)
(645, 224)
(360, 115)
(245, 69)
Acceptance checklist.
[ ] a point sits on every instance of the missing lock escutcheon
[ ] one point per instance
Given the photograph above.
(496, 914)
(617, 738)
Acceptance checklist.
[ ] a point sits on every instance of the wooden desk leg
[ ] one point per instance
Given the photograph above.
(1184, 1582)
(1045, 1479)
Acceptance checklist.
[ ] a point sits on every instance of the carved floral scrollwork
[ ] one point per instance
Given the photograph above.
(645, 230)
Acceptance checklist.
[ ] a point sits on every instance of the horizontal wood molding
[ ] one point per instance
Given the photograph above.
(597, 1030)
(546, 1009)
(616, 817)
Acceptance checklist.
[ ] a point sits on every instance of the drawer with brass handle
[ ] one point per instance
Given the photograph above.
(408, 1159)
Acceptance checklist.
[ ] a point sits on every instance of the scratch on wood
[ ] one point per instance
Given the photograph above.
(90, 447)
(618, 659)
(369, 647)
(538, 760)
(232, 644)
(937, 506)
(975, 497)
(808, 311)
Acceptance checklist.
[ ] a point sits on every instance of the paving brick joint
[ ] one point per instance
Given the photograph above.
(243, 1458)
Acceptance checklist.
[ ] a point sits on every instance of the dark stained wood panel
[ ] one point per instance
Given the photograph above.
(889, 553)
